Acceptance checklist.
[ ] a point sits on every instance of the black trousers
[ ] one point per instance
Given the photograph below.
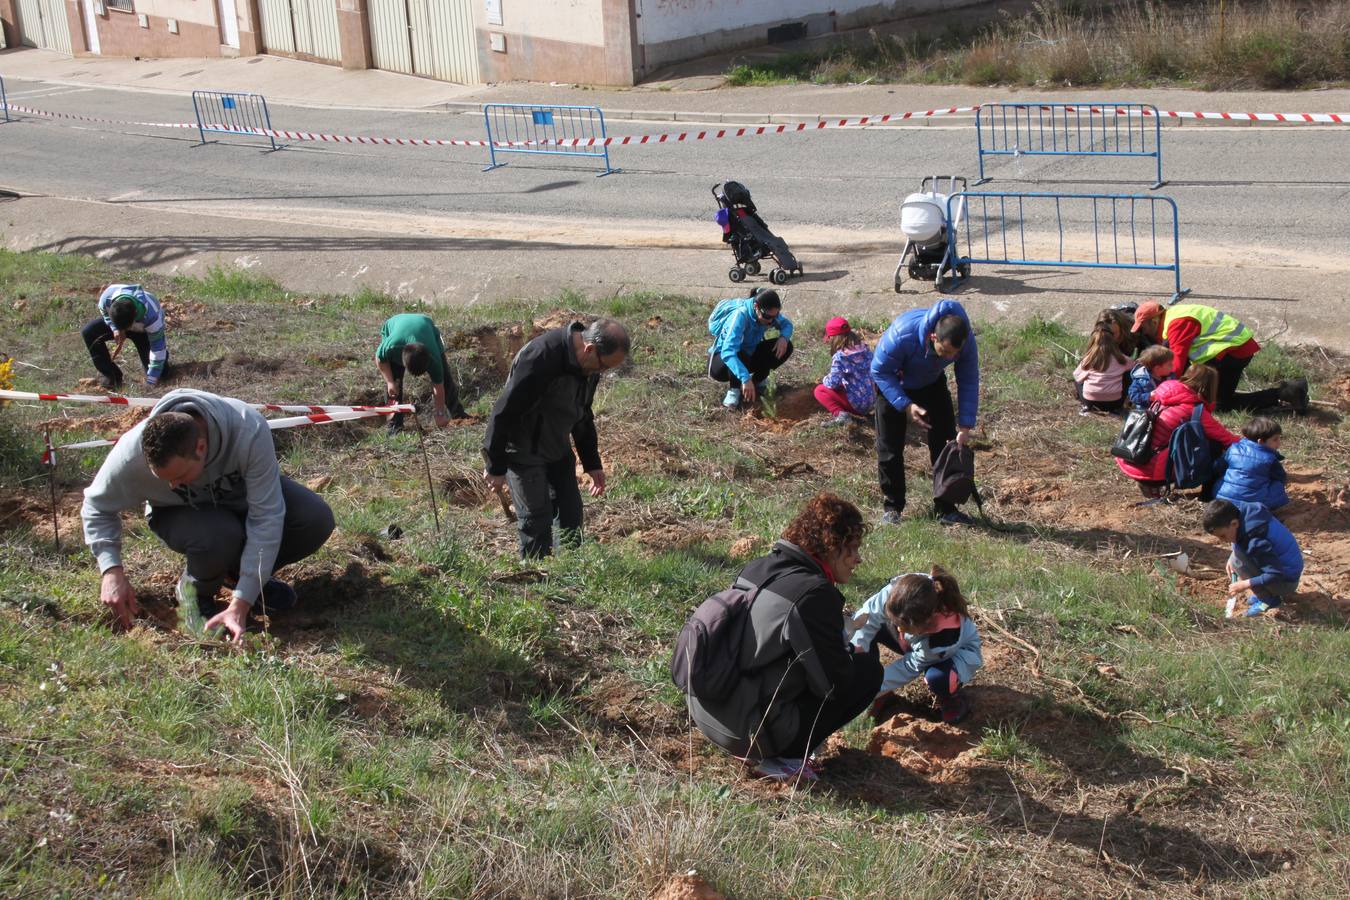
(893, 424)
(1230, 373)
(212, 538)
(451, 392)
(542, 494)
(96, 334)
(760, 363)
(822, 718)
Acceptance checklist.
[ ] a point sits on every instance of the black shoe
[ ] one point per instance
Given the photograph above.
(1294, 394)
(109, 384)
(395, 423)
(277, 596)
(955, 517)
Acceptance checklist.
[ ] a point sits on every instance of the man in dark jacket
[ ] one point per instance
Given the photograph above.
(544, 408)
(909, 370)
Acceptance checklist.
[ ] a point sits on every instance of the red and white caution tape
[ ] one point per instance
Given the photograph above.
(675, 137)
(274, 424)
(119, 400)
(1288, 118)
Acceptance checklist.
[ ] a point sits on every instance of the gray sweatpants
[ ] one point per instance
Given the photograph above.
(212, 538)
(540, 494)
(1246, 567)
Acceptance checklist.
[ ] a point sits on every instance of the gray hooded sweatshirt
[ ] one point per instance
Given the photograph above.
(241, 474)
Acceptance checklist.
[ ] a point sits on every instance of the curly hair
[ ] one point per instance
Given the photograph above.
(826, 524)
(915, 599)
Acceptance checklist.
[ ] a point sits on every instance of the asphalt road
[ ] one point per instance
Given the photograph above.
(1263, 226)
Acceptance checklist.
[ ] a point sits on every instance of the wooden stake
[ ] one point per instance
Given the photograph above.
(426, 461)
(51, 478)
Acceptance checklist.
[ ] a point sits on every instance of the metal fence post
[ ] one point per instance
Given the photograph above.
(1118, 250)
(1064, 132)
(546, 130)
(228, 112)
(4, 101)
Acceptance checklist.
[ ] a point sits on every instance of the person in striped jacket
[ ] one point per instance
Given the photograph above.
(127, 311)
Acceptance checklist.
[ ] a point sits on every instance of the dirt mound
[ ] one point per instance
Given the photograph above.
(104, 426)
(495, 347)
(688, 886)
(34, 511)
(928, 748)
(1023, 491)
(787, 408)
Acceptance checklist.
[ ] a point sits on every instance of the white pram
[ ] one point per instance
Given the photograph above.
(923, 222)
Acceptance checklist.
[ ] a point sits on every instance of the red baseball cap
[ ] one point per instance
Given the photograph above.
(836, 326)
(1146, 311)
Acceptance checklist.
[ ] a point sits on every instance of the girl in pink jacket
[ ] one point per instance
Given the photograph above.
(1100, 377)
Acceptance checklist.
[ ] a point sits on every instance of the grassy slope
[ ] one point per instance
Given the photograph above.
(1211, 46)
(448, 726)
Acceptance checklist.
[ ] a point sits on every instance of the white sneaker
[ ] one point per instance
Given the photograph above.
(733, 398)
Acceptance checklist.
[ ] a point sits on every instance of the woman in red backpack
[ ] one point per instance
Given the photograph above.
(1200, 384)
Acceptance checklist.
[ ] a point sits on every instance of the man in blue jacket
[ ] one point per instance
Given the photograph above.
(1265, 560)
(751, 338)
(909, 370)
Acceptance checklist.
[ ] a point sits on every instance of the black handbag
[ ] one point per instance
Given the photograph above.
(1134, 444)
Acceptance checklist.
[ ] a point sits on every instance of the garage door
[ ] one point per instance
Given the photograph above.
(425, 37)
(43, 23)
(301, 27)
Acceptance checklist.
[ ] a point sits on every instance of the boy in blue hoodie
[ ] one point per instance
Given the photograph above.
(1266, 559)
(751, 338)
(1255, 472)
(127, 311)
(1154, 367)
(909, 370)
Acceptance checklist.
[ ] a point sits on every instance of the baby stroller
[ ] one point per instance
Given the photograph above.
(923, 221)
(750, 239)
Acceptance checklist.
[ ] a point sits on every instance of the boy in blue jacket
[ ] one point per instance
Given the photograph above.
(1255, 472)
(751, 338)
(1265, 560)
(1154, 367)
(909, 370)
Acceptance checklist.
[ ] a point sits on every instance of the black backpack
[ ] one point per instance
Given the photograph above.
(954, 475)
(1134, 444)
(1189, 462)
(706, 662)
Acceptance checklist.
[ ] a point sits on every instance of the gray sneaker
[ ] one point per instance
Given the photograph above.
(836, 420)
(890, 517)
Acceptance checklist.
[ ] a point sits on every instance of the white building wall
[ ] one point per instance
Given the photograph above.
(572, 21)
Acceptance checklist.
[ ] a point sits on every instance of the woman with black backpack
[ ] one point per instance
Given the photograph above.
(1178, 401)
(795, 680)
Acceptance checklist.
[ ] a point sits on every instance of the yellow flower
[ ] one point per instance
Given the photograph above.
(6, 377)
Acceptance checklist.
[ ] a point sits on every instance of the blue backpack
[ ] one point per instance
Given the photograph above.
(1189, 462)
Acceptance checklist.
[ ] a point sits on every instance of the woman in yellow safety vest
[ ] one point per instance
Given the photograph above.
(1202, 335)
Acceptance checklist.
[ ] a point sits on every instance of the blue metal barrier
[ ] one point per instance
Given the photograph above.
(4, 101)
(1069, 129)
(527, 128)
(994, 231)
(227, 112)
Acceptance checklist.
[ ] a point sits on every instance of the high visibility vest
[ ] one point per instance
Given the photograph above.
(1218, 331)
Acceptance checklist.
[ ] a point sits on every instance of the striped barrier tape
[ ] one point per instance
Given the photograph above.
(119, 400)
(49, 455)
(687, 136)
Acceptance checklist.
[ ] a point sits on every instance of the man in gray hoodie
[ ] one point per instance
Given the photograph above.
(205, 468)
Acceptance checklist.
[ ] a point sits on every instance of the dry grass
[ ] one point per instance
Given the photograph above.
(1209, 45)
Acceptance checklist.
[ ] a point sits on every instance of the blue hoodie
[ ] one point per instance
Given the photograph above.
(1254, 475)
(1141, 386)
(736, 329)
(905, 359)
(1269, 544)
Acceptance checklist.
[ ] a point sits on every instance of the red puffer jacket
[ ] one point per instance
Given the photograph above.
(1178, 402)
